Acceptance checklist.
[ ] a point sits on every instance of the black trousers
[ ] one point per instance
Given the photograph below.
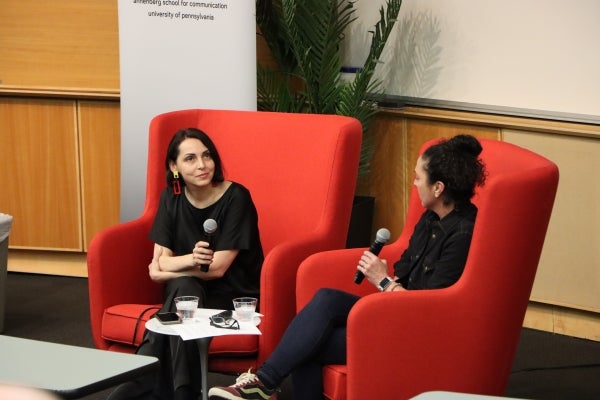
(179, 375)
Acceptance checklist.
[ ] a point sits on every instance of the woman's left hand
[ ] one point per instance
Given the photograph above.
(154, 270)
(373, 267)
(201, 254)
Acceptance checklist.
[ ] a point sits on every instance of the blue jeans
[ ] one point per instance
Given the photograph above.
(315, 337)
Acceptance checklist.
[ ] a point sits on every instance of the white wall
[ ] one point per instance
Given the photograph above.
(527, 54)
(175, 55)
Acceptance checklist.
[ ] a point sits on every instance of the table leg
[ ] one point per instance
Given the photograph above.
(203, 344)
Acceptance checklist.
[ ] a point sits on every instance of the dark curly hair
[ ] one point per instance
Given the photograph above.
(455, 162)
(173, 153)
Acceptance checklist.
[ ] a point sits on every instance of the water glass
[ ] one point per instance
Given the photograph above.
(245, 308)
(186, 306)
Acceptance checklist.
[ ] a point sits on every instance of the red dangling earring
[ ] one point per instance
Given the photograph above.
(176, 184)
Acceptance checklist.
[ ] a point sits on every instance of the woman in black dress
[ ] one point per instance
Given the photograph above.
(196, 191)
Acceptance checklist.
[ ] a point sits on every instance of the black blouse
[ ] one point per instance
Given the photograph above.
(178, 225)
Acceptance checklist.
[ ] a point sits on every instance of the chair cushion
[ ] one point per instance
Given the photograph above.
(234, 345)
(334, 381)
(119, 323)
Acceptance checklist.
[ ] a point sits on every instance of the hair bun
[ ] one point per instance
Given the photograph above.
(466, 144)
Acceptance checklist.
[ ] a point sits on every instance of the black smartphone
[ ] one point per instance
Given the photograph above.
(168, 318)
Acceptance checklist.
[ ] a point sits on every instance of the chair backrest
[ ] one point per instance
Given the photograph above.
(515, 206)
(290, 163)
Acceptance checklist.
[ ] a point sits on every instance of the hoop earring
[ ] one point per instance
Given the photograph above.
(176, 184)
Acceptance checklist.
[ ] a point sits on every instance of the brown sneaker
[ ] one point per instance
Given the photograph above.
(247, 387)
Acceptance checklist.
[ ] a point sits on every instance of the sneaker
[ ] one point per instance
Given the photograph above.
(247, 386)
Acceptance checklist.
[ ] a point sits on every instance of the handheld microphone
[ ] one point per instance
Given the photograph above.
(381, 238)
(210, 227)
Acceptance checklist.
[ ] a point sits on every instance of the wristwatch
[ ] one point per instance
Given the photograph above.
(385, 282)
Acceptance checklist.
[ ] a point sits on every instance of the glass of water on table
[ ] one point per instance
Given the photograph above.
(186, 306)
(244, 308)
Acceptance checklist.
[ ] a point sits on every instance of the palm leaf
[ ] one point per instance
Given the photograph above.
(306, 38)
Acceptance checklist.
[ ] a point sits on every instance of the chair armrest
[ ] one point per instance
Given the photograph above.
(117, 260)
(384, 329)
(278, 286)
(332, 269)
(336, 269)
(417, 334)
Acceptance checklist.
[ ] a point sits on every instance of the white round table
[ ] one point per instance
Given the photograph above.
(199, 329)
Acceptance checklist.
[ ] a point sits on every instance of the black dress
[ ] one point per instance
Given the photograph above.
(178, 225)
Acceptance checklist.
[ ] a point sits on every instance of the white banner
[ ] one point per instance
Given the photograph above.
(177, 54)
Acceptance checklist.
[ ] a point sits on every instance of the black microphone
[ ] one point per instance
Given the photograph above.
(381, 238)
(210, 227)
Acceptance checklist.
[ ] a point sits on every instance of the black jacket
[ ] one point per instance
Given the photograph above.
(437, 250)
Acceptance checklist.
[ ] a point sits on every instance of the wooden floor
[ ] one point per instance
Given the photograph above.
(47, 263)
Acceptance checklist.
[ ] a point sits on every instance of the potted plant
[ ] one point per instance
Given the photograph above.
(306, 42)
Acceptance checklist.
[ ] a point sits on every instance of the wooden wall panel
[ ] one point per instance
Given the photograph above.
(420, 131)
(100, 143)
(385, 181)
(59, 44)
(40, 173)
(397, 144)
(569, 270)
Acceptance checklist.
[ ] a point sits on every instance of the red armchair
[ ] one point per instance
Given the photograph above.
(301, 170)
(462, 338)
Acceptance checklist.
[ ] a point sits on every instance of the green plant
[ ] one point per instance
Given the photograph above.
(306, 38)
